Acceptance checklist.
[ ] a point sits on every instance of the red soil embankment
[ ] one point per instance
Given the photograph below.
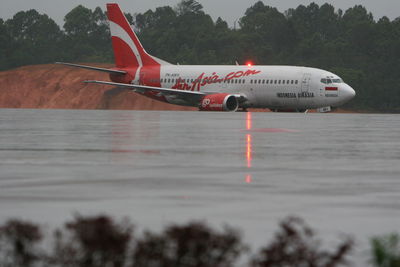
(61, 87)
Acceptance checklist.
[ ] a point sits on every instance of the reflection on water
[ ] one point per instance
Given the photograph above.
(129, 133)
(249, 151)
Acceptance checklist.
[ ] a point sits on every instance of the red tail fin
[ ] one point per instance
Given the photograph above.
(128, 50)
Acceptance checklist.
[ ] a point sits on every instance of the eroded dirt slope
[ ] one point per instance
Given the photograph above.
(61, 87)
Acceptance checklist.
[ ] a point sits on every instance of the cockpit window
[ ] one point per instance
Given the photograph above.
(329, 80)
(326, 81)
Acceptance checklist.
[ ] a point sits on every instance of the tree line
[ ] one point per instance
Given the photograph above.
(95, 241)
(364, 51)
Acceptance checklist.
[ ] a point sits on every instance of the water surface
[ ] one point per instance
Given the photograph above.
(340, 172)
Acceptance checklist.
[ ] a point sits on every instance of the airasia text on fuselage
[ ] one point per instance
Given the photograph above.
(202, 80)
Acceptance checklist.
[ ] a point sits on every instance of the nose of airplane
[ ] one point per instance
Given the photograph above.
(347, 93)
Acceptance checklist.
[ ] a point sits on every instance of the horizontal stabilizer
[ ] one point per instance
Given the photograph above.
(93, 68)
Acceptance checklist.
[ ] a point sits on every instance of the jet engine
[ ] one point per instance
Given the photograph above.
(219, 102)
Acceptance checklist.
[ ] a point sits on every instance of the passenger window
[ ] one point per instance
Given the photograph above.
(263, 81)
(283, 81)
(279, 82)
(276, 81)
(297, 81)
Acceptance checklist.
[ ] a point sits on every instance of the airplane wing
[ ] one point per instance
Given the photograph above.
(191, 98)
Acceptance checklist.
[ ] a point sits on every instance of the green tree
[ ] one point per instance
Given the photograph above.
(189, 6)
(87, 35)
(34, 38)
(386, 251)
(4, 45)
(78, 27)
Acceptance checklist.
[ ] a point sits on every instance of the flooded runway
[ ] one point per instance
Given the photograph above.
(340, 172)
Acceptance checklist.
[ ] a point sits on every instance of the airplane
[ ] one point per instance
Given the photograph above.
(216, 87)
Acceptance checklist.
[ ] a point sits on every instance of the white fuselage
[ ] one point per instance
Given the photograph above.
(274, 87)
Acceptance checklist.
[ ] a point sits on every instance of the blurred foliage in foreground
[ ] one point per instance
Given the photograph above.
(101, 241)
(363, 50)
(386, 251)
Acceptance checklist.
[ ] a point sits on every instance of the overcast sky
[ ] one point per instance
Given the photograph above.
(229, 10)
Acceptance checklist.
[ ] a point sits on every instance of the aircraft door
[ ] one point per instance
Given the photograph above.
(305, 83)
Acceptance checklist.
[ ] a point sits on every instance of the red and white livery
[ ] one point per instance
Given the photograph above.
(216, 88)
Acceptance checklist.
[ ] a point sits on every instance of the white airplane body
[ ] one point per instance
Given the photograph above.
(217, 87)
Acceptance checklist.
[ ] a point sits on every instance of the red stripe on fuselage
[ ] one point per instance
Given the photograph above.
(331, 88)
